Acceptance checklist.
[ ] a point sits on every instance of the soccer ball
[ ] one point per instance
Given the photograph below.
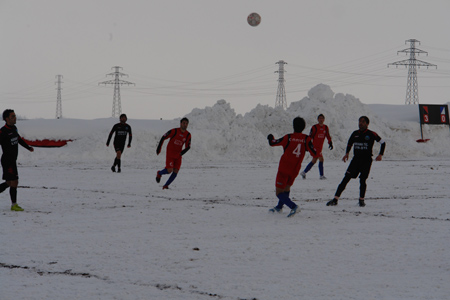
(254, 19)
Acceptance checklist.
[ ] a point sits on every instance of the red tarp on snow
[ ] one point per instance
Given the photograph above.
(47, 143)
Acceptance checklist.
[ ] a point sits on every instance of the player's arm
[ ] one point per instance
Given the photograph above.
(187, 147)
(351, 140)
(382, 147)
(161, 141)
(328, 136)
(25, 145)
(310, 146)
(110, 135)
(275, 142)
(130, 136)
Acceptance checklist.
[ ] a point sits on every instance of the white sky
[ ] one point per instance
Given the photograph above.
(186, 54)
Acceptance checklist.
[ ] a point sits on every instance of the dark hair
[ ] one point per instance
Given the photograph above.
(299, 124)
(6, 113)
(123, 115)
(365, 118)
(321, 115)
(184, 119)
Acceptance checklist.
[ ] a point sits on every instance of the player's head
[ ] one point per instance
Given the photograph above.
(321, 118)
(9, 114)
(363, 122)
(299, 124)
(123, 118)
(184, 123)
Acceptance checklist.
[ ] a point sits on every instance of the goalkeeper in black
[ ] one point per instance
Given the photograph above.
(121, 129)
(362, 141)
(10, 140)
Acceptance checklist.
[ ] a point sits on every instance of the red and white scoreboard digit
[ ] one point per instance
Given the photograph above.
(436, 114)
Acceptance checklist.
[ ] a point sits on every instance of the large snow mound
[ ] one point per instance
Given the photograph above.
(219, 134)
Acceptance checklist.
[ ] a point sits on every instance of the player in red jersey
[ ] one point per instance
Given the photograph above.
(318, 134)
(295, 146)
(178, 137)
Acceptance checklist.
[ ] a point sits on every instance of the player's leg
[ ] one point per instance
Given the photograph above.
(308, 167)
(322, 176)
(362, 182)
(167, 170)
(176, 168)
(352, 172)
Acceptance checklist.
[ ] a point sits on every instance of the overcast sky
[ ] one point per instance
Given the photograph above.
(183, 54)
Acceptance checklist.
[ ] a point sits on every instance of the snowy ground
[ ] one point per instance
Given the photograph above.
(87, 233)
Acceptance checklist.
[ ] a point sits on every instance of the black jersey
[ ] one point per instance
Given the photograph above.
(121, 131)
(10, 140)
(362, 142)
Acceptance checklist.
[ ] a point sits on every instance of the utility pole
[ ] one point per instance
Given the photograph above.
(412, 88)
(58, 98)
(281, 93)
(117, 106)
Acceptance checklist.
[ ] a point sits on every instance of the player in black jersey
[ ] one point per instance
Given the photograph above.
(121, 129)
(10, 140)
(362, 141)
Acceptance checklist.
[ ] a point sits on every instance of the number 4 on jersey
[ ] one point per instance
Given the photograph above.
(298, 150)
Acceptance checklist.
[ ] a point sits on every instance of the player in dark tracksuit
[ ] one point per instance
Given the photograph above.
(10, 140)
(362, 141)
(121, 129)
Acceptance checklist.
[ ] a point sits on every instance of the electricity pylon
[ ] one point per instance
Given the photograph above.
(281, 93)
(412, 88)
(117, 106)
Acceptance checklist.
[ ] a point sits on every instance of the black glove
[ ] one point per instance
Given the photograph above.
(270, 137)
(330, 146)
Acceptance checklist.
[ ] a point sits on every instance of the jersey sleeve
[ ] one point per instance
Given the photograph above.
(350, 142)
(187, 145)
(163, 138)
(328, 135)
(130, 135)
(110, 134)
(279, 142)
(381, 141)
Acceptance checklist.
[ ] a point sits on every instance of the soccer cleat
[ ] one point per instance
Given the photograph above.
(113, 168)
(323, 177)
(158, 177)
(293, 211)
(119, 170)
(275, 209)
(166, 187)
(16, 207)
(333, 202)
(303, 175)
(361, 203)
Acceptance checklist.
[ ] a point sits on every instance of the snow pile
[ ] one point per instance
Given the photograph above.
(219, 134)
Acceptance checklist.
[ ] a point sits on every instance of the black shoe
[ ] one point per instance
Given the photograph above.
(118, 170)
(113, 169)
(361, 203)
(332, 202)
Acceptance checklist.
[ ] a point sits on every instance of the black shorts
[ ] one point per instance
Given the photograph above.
(10, 170)
(120, 147)
(359, 166)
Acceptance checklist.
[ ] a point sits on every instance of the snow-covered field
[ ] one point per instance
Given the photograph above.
(88, 233)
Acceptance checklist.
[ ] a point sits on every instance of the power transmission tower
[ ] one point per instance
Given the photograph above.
(117, 106)
(58, 97)
(281, 93)
(412, 88)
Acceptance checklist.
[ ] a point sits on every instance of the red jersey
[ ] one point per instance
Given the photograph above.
(295, 146)
(176, 142)
(318, 134)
